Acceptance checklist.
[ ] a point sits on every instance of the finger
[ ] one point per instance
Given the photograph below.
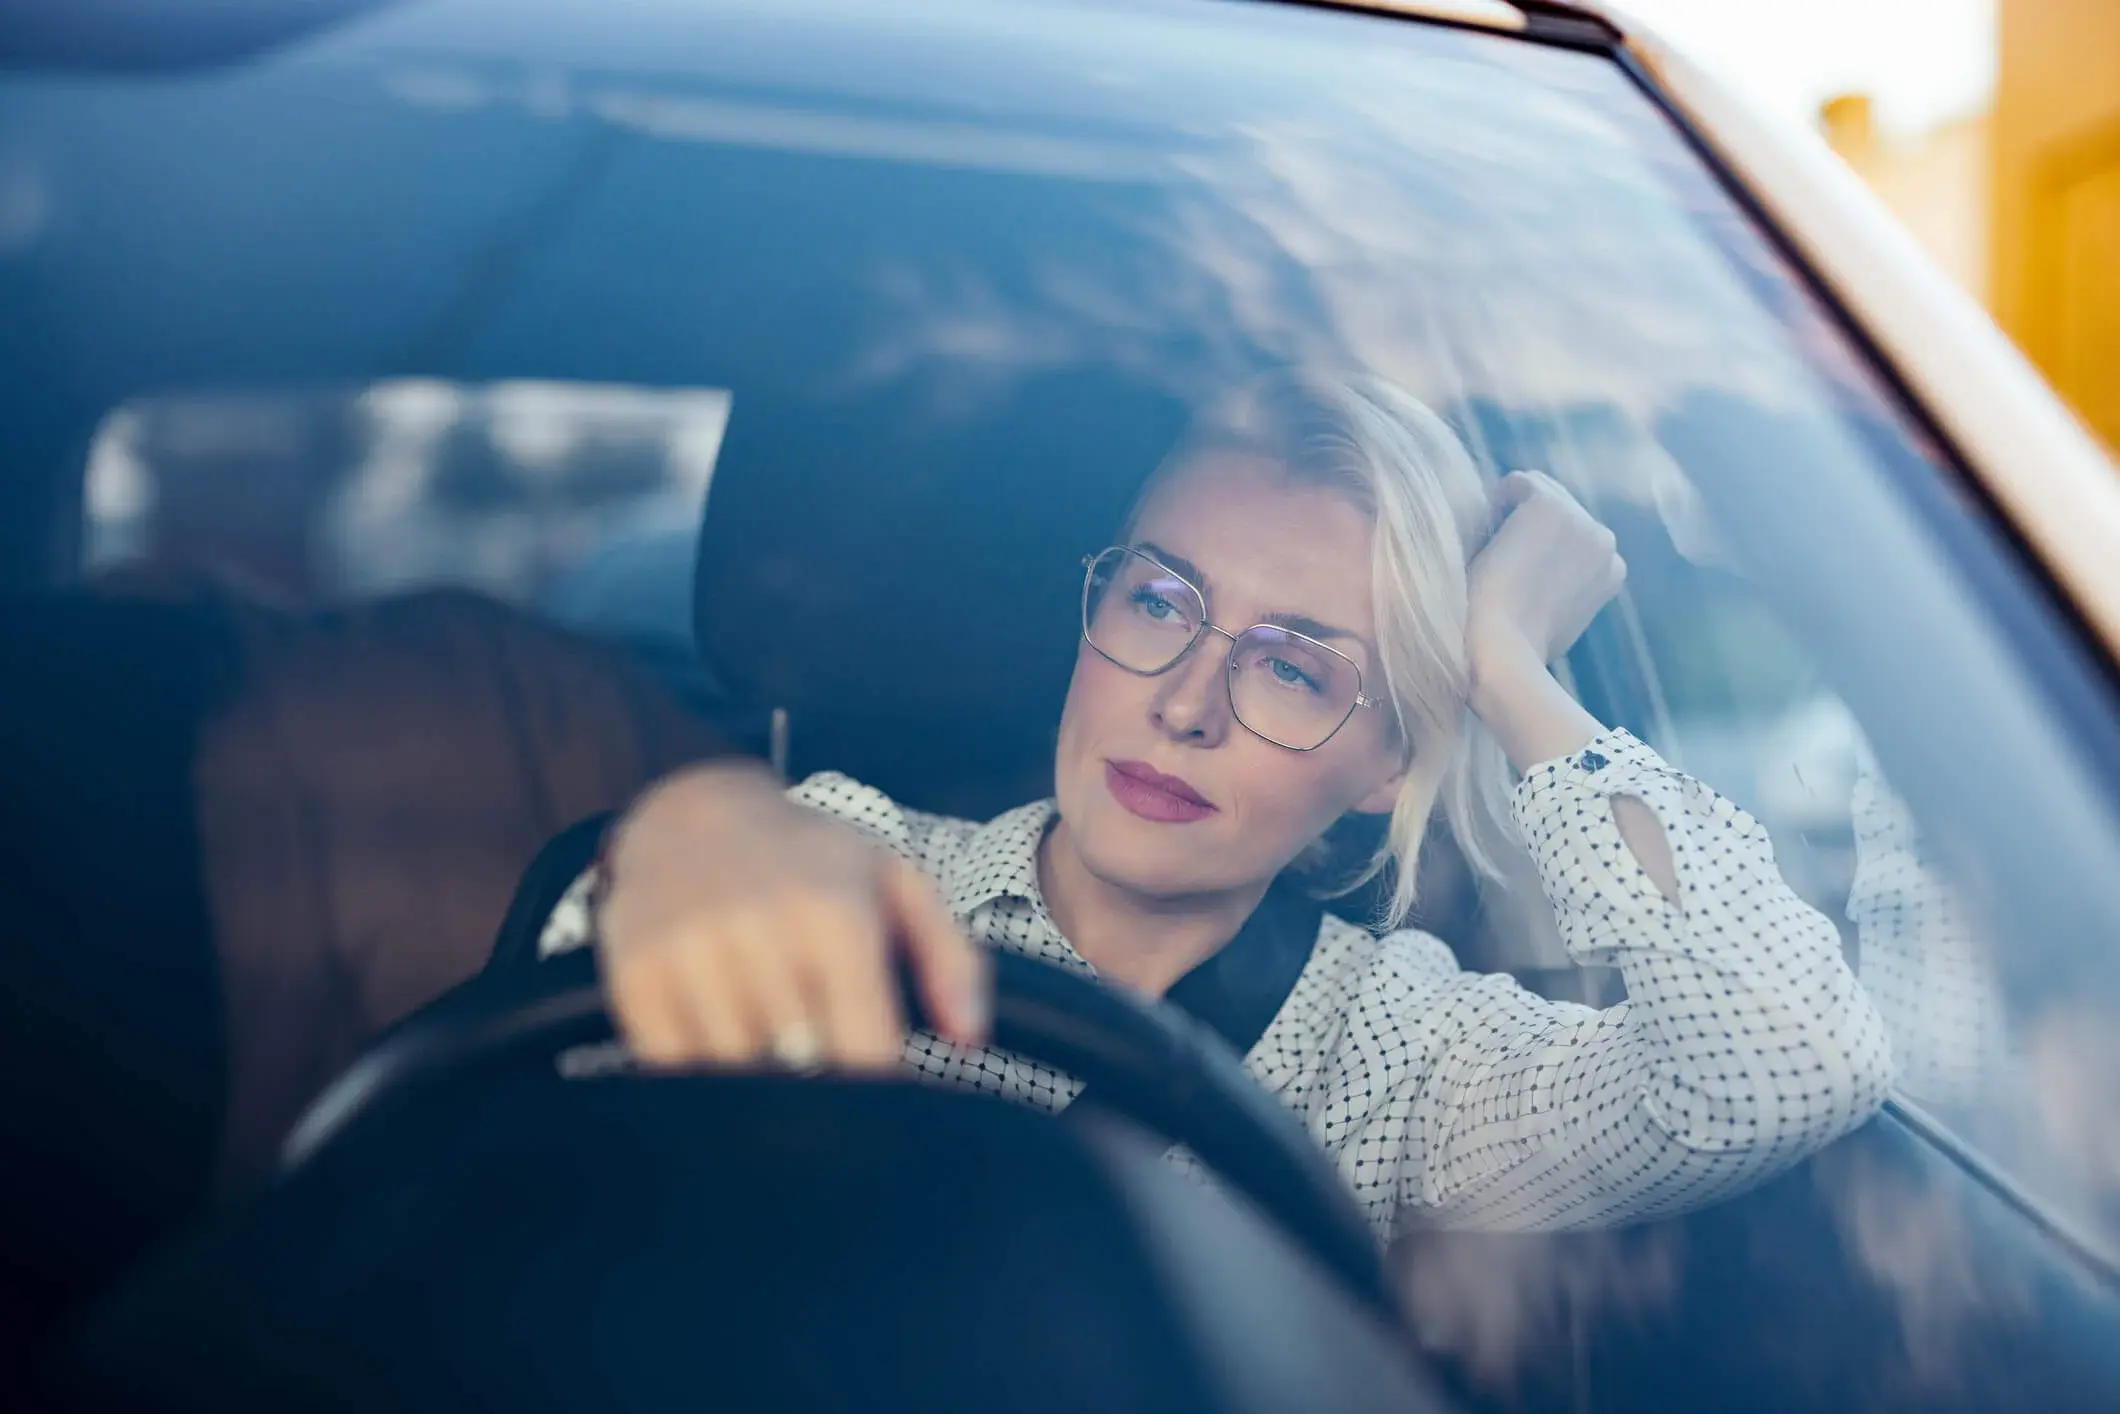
(649, 1017)
(718, 1025)
(762, 957)
(1558, 490)
(951, 972)
(1515, 488)
(854, 993)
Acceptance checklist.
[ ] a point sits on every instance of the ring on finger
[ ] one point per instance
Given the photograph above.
(797, 1047)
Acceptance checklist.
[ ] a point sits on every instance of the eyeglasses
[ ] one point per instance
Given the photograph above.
(1283, 685)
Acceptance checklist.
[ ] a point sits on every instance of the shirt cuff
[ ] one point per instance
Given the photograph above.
(1602, 898)
(572, 923)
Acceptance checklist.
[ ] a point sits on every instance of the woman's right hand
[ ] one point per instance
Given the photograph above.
(741, 929)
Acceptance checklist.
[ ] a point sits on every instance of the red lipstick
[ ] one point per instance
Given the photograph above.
(1150, 794)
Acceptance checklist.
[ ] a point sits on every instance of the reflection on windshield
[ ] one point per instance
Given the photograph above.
(1652, 352)
(1925, 963)
(581, 500)
(1509, 231)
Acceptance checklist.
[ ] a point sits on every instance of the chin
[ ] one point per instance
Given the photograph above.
(1153, 860)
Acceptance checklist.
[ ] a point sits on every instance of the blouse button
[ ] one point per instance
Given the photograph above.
(1591, 761)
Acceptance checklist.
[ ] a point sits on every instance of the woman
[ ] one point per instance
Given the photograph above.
(1304, 605)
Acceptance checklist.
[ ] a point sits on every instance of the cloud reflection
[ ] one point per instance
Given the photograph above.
(1503, 1310)
(562, 495)
(2072, 1066)
(1455, 226)
(1909, 1237)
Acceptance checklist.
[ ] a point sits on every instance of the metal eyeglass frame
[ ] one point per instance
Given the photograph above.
(1089, 571)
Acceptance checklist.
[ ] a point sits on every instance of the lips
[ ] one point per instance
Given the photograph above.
(1148, 793)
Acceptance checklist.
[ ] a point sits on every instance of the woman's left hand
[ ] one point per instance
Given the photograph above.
(1548, 569)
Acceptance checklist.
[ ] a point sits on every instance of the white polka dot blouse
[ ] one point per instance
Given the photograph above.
(1454, 1098)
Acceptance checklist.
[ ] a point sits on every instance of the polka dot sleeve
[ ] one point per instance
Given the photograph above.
(1745, 1042)
(1923, 959)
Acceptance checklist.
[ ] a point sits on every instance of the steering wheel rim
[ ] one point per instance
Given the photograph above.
(1148, 1062)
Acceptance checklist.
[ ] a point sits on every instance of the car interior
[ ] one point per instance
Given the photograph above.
(257, 842)
(129, 691)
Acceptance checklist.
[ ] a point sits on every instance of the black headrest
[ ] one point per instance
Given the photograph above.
(901, 570)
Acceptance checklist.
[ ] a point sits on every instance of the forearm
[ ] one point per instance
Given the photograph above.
(1535, 720)
(1744, 1043)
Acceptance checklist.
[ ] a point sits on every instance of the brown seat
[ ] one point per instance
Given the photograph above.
(369, 795)
(237, 842)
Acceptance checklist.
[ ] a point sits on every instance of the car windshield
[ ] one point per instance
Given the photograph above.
(904, 308)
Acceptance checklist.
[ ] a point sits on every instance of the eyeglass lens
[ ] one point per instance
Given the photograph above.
(1284, 686)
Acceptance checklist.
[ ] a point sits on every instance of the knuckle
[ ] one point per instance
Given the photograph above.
(669, 935)
(784, 916)
(836, 927)
(633, 984)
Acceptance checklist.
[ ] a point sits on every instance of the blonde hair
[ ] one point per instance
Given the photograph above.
(1408, 472)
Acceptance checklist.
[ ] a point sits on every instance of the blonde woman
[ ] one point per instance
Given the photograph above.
(1306, 610)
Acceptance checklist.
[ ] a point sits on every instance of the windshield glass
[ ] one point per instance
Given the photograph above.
(918, 302)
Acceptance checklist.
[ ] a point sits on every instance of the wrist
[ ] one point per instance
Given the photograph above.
(1504, 669)
(1526, 710)
(700, 796)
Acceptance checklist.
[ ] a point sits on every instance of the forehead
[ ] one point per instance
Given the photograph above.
(1266, 543)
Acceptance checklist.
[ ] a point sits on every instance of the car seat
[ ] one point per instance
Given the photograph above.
(237, 843)
(112, 1065)
(367, 799)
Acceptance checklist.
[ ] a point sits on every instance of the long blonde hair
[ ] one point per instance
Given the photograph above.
(1403, 466)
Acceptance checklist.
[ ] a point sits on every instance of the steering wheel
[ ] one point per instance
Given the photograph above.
(1150, 1063)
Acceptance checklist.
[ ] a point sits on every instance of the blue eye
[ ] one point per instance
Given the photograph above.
(1153, 604)
(1287, 672)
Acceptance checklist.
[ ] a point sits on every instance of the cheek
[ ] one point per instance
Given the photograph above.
(1299, 794)
(1289, 799)
(1096, 694)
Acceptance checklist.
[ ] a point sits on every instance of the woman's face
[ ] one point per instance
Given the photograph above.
(1257, 545)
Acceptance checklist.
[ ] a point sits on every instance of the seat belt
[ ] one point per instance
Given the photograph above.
(1240, 990)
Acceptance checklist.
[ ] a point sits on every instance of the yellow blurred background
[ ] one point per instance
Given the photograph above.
(2020, 202)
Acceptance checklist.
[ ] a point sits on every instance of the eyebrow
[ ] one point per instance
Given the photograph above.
(1298, 623)
(1170, 560)
(1310, 627)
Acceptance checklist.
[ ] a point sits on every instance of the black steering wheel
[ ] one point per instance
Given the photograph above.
(1152, 1064)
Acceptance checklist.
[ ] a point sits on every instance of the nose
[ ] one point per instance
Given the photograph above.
(1192, 698)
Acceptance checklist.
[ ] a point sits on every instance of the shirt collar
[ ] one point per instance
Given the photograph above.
(1000, 860)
